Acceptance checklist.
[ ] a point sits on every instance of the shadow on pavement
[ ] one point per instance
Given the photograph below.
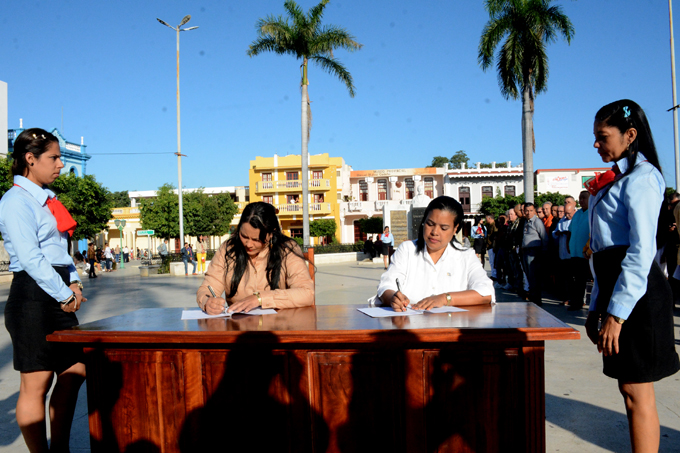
(599, 426)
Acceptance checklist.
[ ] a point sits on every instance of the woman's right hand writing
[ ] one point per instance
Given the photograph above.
(215, 305)
(399, 301)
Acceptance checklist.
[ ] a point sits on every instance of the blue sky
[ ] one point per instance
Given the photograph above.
(110, 66)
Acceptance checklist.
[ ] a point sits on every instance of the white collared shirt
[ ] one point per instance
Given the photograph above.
(458, 269)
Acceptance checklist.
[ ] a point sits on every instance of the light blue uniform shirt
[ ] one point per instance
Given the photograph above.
(580, 231)
(627, 215)
(32, 240)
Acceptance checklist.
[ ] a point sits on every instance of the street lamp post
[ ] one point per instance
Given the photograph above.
(186, 19)
(120, 224)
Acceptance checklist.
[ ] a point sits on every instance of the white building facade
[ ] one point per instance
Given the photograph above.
(471, 185)
(567, 181)
(378, 192)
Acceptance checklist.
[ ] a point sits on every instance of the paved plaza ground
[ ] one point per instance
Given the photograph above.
(584, 410)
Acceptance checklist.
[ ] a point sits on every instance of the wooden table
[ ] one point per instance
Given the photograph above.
(324, 378)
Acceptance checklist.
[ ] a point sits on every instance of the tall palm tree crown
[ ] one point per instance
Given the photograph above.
(522, 61)
(303, 36)
(305, 39)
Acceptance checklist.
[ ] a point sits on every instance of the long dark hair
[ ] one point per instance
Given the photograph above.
(442, 203)
(626, 114)
(262, 216)
(34, 141)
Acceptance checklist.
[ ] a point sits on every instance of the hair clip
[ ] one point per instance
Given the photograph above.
(35, 137)
(626, 111)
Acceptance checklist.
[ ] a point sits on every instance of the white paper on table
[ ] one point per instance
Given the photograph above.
(200, 314)
(387, 312)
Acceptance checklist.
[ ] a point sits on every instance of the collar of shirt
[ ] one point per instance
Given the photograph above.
(622, 163)
(39, 193)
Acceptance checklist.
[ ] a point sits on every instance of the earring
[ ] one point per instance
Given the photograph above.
(31, 165)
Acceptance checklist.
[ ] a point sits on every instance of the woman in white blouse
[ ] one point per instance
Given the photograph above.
(436, 270)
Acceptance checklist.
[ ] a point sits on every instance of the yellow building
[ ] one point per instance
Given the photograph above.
(278, 180)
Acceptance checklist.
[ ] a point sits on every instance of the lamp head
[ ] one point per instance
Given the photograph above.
(186, 19)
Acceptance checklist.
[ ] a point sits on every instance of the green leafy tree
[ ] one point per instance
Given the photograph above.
(458, 159)
(161, 213)
(439, 161)
(120, 199)
(372, 225)
(499, 205)
(208, 215)
(88, 202)
(522, 61)
(553, 197)
(322, 228)
(302, 36)
(6, 177)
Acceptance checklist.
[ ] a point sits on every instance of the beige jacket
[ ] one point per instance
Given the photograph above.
(295, 278)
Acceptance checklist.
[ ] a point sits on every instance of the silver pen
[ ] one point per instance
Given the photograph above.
(399, 291)
(212, 291)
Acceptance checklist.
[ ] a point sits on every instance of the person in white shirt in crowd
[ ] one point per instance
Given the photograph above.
(108, 256)
(435, 269)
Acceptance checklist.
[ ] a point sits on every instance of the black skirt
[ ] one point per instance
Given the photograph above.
(30, 315)
(646, 343)
(385, 248)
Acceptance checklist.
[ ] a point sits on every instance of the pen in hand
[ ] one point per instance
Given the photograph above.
(399, 291)
(212, 291)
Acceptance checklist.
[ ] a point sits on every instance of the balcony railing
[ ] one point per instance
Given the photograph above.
(373, 206)
(291, 186)
(296, 208)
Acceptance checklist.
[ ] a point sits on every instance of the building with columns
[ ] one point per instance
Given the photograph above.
(471, 185)
(278, 180)
(379, 192)
(73, 155)
(131, 215)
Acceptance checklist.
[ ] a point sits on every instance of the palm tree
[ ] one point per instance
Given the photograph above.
(522, 61)
(303, 37)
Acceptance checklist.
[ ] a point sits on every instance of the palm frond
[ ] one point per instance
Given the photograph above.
(296, 13)
(267, 44)
(334, 67)
(507, 69)
(331, 38)
(316, 14)
(493, 33)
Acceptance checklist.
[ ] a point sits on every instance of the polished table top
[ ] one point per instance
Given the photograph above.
(512, 321)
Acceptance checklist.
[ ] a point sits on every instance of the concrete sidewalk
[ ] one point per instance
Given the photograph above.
(584, 410)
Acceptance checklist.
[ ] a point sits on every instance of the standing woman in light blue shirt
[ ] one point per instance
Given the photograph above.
(631, 310)
(45, 291)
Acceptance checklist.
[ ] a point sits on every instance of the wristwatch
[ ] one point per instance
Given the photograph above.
(448, 299)
(259, 297)
(69, 300)
(77, 282)
(617, 319)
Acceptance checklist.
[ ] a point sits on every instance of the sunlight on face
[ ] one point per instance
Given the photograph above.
(250, 238)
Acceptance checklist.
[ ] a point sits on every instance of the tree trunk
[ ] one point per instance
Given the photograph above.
(528, 144)
(304, 156)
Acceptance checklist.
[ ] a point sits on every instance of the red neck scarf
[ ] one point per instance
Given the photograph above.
(600, 180)
(65, 222)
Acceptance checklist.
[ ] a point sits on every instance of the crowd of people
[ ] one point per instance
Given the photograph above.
(534, 248)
